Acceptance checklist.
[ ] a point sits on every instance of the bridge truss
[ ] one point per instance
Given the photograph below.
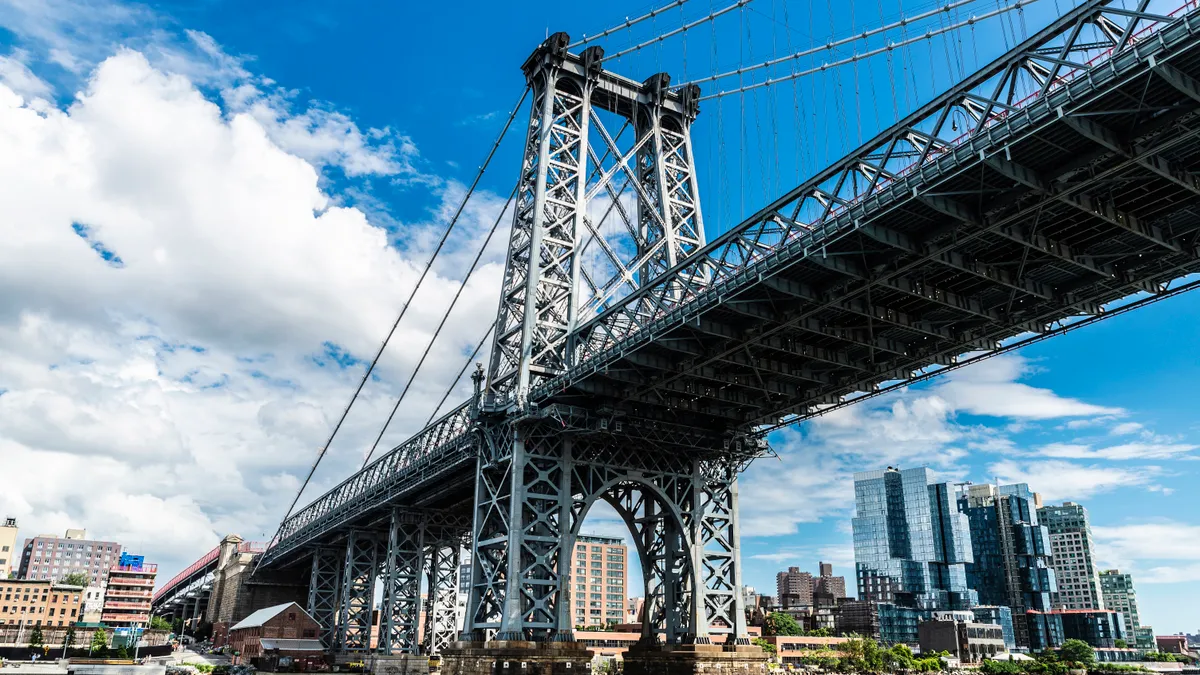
(1053, 188)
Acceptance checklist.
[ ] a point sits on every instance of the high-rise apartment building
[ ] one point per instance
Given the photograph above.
(1011, 549)
(8, 548)
(827, 587)
(47, 557)
(1074, 557)
(598, 580)
(1119, 596)
(127, 597)
(794, 588)
(911, 544)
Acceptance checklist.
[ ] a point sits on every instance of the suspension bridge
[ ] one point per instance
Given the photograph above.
(635, 362)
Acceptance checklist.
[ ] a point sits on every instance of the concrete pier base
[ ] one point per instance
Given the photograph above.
(397, 664)
(653, 659)
(515, 657)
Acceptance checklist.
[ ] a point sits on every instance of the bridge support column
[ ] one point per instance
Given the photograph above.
(441, 604)
(402, 584)
(324, 592)
(515, 572)
(358, 591)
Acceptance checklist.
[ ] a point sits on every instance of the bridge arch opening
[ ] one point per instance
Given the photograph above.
(658, 532)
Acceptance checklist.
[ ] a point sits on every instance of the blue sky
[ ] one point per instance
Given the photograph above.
(271, 175)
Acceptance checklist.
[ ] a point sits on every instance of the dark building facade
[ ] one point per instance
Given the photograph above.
(1100, 628)
(1011, 551)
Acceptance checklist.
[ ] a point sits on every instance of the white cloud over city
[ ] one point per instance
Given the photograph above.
(180, 297)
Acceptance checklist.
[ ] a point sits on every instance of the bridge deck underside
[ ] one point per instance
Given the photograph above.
(1067, 214)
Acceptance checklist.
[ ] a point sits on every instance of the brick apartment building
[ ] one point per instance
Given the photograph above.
(47, 557)
(28, 602)
(130, 589)
(598, 580)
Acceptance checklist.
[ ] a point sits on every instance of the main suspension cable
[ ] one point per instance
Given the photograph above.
(462, 372)
(828, 46)
(874, 52)
(403, 310)
(628, 23)
(653, 41)
(441, 324)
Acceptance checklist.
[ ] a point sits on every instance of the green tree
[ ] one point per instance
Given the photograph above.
(766, 647)
(1078, 651)
(1121, 644)
(863, 655)
(778, 623)
(159, 623)
(99, 641)
(900, 657)
(36, 639)
(819, 632)
(69, 638)
(122, 652)
(76, 579)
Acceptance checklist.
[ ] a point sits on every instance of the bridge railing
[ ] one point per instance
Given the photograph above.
(877, 173)
(375, 483)
(205, 560)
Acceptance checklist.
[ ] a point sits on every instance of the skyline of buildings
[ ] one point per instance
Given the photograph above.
(1047, 538)
(1014, 546)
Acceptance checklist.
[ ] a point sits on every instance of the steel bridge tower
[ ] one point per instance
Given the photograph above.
(539, 473)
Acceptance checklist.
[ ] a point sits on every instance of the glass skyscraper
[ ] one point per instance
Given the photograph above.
(1011, 564)
(910, 542)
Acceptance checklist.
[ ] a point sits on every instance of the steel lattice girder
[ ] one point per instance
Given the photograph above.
(531, 502)
(441, 605)
(324, 592)
(402, 583)
(546, 289)
(358, 590)
(847, 207)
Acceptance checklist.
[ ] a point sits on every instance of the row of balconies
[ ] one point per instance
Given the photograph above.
(125, 618)
(126, 593)
(140, 606)
(131, 581)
